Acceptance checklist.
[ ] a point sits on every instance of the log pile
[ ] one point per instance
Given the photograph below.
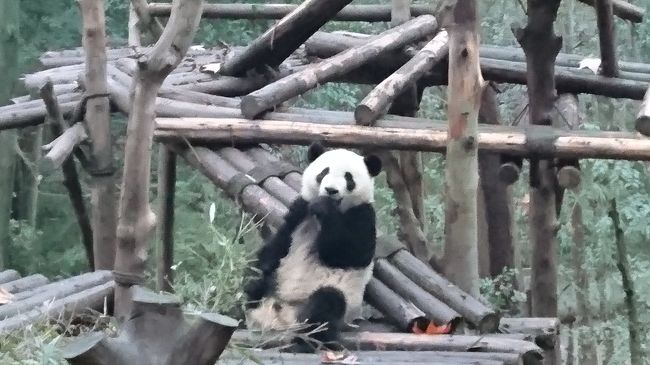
(34, 298)
(411, 296)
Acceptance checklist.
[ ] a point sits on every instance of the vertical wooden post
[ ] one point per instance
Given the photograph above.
(541, 46)
(9, 46)
(166, 192)
(464, 99)
(607, 38)
(102, 169)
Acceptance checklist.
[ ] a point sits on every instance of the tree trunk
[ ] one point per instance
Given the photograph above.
(606, 35)
(9, 45)
(541, 46)
(166, 194)
(623, 265)
(464, 100)
(136, 219)
(26, 185)
(587, 347)
(103, 198)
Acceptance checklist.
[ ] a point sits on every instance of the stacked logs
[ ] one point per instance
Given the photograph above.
(33, 298)
(407, 292)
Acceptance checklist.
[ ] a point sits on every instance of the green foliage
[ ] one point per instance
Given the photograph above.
(501, 291)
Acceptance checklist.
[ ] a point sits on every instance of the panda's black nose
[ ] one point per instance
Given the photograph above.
(331, 191)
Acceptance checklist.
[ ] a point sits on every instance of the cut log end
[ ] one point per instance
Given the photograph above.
(489, 323)
(569, 177)
(509, 173)
(81, 345)
(220, 320)
(364, 115)
(143, 295)
(642, 125)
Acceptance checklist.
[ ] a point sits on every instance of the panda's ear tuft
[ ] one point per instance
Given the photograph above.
(315, 149)
(374, 164)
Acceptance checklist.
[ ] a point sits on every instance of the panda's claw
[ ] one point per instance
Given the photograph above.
(323, 206)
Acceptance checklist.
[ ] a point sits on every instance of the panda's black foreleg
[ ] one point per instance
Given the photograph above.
(324, 313)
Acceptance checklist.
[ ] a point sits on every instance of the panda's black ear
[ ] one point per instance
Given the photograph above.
(315, 149)
(374, 164)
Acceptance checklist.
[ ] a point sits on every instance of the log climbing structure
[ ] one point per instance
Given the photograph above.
(220, 109)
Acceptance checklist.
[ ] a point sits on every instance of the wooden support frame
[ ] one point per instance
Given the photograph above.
(623, 10)
(166, 195)
(607, 37)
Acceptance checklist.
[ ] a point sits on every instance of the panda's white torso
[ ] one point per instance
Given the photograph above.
(300, 274)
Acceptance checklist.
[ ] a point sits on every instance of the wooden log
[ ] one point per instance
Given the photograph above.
(70, 176)
(567, 79)
(396, 134)
(91, 298)
(377, 102)
(398, 310)
(8, 275)
(435, 310)
(642, 123)
(362, 13)
(293, 179)
(61, 148)
(38, 103)
(273, 184)
(133, 38)
(146, 22)
(281, 40)
(136, 222)
(473, 311)
(298, 83)
(23, 118)
(199, 97)
(221, 173)
(26, 283)
(607, 37)
(24, 301)
(103, 210)
(528, 352)
(541, 46)
(166, 195)
(509, 172)
(199, 339)
(623, 10)
(381, 357)
(546, 331)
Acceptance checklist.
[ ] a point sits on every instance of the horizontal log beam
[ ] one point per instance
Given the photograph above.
(399, 134)
(363, 13)
(623, 10)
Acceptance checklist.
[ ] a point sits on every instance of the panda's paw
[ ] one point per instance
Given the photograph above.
(323, 206)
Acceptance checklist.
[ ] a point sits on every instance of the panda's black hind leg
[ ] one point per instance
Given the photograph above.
(325, 306)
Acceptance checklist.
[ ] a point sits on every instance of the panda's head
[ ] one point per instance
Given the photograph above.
(342, 174)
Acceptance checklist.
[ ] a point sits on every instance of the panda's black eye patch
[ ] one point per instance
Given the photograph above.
(349, 181)
(322, 175)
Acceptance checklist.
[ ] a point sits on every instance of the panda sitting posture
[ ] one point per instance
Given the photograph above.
(315, 269)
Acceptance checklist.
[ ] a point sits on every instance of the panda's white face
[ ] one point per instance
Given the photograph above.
(341, 174)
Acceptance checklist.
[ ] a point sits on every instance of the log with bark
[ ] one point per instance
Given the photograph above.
(461, 172)
(70, 176)
(642, 123)
(136, 220)
(362, 13)
(369, 357)
(623, 266)
(497, 196)
(524, 351)
(546, 331)
(298, 83)
(541, 46)
(8, 275)
(401, 312)
(166, 195)
(377, 102)
(622, 9)
(93, 298)
(606, 37)
(27, 300)
(199, 339)
(21, 118)
(437, 311)
(146, 23)
(276, 44)
(473, 311)
(26, 283)
(61, 148)
(403, 134)
(568, 79)
(103, 212)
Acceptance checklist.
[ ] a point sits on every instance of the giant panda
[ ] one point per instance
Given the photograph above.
(315, 268)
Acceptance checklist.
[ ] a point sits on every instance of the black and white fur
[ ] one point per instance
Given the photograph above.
(316, 267)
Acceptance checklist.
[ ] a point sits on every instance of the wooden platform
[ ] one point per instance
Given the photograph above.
(34, 297)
